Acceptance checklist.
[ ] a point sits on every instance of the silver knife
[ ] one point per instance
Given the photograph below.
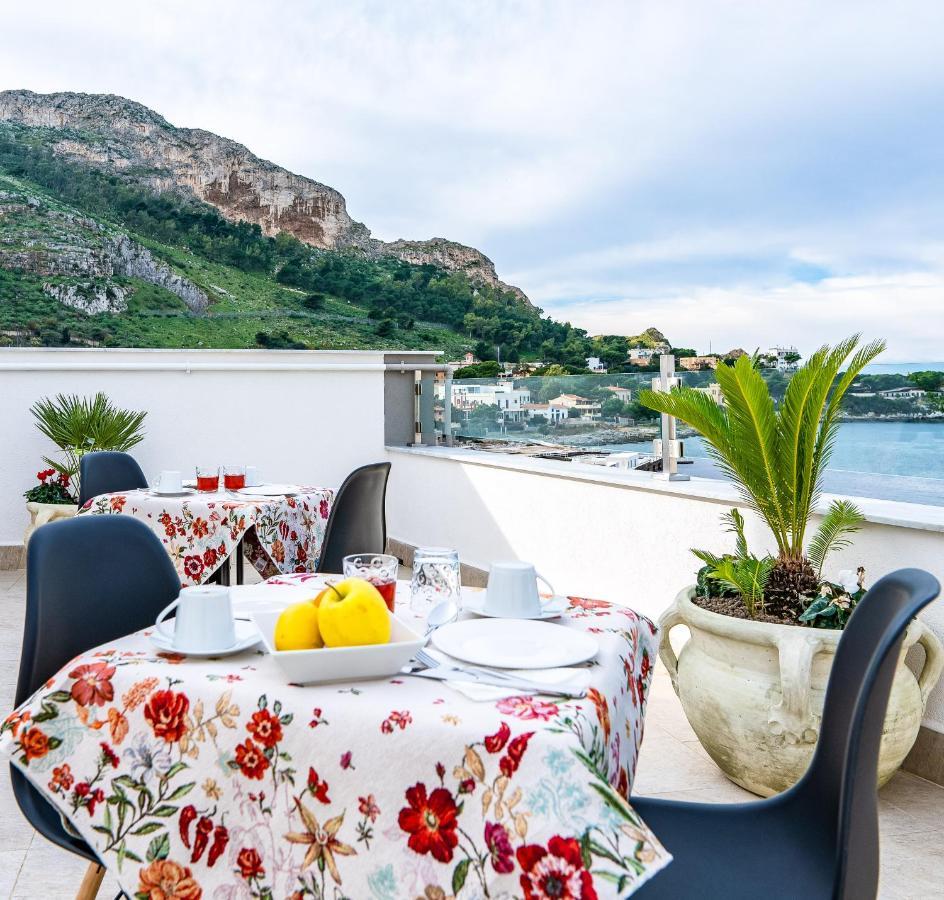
(448, 673)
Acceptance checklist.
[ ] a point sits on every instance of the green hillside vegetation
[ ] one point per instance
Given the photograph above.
(263, 291)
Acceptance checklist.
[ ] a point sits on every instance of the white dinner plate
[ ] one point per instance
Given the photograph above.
(270, 490)
(551, 608)
(247, 635)
(186, 492)
(514, 643)
(264, 597)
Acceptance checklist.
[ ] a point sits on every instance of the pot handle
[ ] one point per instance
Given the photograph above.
(793, 717)
(933, 661)
(667, 621)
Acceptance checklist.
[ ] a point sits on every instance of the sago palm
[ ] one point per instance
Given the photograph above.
(776, 455)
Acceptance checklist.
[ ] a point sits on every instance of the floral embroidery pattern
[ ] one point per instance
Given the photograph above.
(280, 534)
(199, 778)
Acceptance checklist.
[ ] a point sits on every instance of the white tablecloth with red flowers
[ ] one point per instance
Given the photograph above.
(195, 778)
(201, 531)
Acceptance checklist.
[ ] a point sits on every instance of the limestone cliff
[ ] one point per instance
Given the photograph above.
(130, 139)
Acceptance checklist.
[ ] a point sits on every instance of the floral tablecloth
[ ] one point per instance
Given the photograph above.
(201, 531)
(198, 778)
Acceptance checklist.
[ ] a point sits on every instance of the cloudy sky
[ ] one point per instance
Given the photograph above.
(735, 173)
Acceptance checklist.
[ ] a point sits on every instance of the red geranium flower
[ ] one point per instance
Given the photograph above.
(201, 528)
(584, 603)
(250, 759)
(92, 684)
(34, 743)
(166, 711)
(512, 759)
(556, 873)
(250, 863)
(265, 728)
(117, 504)
(323, 509)
(209, 557)
(193, 566)
(495, 743)
(430, 822)
(318, 788)
(499, 847)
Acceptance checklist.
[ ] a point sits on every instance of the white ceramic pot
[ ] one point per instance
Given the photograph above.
(753, 692)
(41, 513)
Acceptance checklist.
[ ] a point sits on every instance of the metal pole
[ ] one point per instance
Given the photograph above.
(670, 446)
(447, 408)
(417, 420)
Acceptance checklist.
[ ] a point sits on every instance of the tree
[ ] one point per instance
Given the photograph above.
(488, 369)
(314, 301)
(613, 407)
(927, 381)
(385, 327)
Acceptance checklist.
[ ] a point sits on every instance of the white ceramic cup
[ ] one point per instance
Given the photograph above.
(253, 478)
(204, 620)
(169, 482)
(513, 590)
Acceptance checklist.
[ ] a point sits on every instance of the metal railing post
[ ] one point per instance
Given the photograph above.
(447, 408)
(670, 446)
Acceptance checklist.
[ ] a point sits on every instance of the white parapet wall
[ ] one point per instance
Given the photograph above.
(301, 416)
(619, 536)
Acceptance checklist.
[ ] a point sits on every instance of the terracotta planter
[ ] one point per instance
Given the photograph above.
(41, 513)
(753, 692)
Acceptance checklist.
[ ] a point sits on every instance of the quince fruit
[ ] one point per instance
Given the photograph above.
(297, 627)
(352, 613)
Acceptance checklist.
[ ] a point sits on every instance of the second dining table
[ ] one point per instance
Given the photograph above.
(201, 531)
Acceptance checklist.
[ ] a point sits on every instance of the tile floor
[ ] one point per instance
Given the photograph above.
(672, 764)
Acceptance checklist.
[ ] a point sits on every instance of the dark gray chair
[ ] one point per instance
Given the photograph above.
(819, 839)
(358, 521)
(74, 602)
(105, 471)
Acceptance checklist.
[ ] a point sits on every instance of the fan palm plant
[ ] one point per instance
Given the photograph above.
(79, 425)
(776, 455)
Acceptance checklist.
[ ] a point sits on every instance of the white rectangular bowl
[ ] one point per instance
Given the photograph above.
(341, 663)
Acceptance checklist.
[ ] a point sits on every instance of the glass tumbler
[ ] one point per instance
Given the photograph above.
(379, 569)
(208, 478)
(435, 579)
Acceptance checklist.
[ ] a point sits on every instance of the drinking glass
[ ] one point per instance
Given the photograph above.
(208, 478)
(435, 579)
(234, 477)
(379, 569)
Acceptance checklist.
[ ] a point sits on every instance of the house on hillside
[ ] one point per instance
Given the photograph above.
(698, 363)
(623, 394)
(504, 395)
(554, 414)
(588, 409)
(596, 365)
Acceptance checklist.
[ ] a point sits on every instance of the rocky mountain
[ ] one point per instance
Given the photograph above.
(130, 140)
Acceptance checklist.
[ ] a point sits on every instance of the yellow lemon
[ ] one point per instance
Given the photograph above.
(297, 628)
(352, 614)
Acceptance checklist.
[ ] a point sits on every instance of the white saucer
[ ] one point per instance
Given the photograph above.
(247, 635)
(186, 492)
(514, 643)
(551, 609)
(269, 490)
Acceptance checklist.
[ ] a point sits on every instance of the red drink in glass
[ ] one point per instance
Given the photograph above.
(387, 590)
(208, 482)
(233, 482)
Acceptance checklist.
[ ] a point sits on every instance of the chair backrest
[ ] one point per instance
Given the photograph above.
(89, 580)
(358, 521)
(843, 774)
(105, 471)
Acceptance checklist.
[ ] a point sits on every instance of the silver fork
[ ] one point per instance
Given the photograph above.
(430, 662)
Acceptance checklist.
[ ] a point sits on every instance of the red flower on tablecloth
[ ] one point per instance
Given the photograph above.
(527, 707)
(92, 684)
(193, 567)
(323, 509)
(512, 759)
(278, 551)
(34, 743)
(495, 743)
(368, 807)
(166, 712)
(555, 873)
(499, 848)
(165, 879)
(265, 728)
(200, 526)
(209, 557)
(109, 755)
(603, 711)
(301, 555)
(250, 760)
(318, 788)
(249, 863)
(117, 503)
(584, 603)
(62, 779)
(431, 822)
(346, 758)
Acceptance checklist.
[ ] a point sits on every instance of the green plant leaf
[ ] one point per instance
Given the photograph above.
(842, 519)
(459, 875)
(159, 848)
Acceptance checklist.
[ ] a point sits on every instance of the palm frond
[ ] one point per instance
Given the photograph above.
(746, 576)
(842, 519)
(735, 522)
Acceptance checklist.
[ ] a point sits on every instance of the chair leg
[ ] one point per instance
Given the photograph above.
(91, 882)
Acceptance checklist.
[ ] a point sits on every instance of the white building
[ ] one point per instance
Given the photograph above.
(555, 414)
(781, 357)
(902, 393)
(623, 394)
(504, 395)
(595, 365)
(588, 409)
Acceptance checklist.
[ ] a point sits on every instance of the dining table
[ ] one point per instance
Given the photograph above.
(215, 778)
(202, 530)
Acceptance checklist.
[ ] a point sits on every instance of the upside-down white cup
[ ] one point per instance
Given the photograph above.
(169, 482)
(204, 620)
(513, 590)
